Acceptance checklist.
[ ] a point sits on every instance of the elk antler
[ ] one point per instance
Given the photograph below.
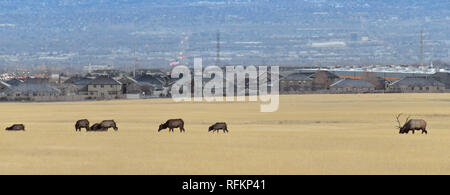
(398, 120)
(407, 119)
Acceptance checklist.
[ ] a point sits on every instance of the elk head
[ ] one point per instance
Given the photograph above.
(161, 127)
(400, 126)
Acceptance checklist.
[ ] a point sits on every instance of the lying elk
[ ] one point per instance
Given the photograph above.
(412, 125)
(104, 126)
(97, 127)
(16, 127)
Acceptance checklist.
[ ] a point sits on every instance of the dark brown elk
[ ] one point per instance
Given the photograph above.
(219, 126)
(16, 127)
(84, 123)
(412, 125)
(104, 126)
(109, 124)
(97, 127)
(172, 124)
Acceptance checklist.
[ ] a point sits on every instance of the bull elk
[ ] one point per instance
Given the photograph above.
(412, 125)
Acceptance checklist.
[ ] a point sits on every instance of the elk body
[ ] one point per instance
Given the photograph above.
(412, 125)
(97, 127)
(16, 127)
(109, 124)
(84, 123)
(219, 126)
(172, 124)
(104, 126)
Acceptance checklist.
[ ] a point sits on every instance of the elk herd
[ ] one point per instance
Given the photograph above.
(410, 125)
(103, 126)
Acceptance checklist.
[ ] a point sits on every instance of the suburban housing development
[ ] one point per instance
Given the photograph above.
(107, 84)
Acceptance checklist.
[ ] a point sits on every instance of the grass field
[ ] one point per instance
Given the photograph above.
(310, 134)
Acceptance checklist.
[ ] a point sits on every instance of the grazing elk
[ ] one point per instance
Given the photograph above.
(219, 126)
(84, 123)
(16, 127)
(412, 125)
(109, 124)
(172, 124)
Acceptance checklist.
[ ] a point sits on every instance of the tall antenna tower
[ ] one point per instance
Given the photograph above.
(421, 48)
(135, 58)
(218, 48)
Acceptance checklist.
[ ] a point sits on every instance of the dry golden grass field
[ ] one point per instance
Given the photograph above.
(310, 134)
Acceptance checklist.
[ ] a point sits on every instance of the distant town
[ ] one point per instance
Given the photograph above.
(103, 82)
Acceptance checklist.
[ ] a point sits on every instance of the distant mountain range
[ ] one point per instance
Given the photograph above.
(107, 31)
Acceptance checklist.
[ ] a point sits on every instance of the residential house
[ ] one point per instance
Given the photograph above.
(131, 88)
(3, 88)
(416, 85)
(32, 90)
(443, 77)
(371, 77)
(104, 87)
(323, 79)
(75, 86)
(155, 85)
(296, 83)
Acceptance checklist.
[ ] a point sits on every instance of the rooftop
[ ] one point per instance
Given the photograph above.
(418, 81)
(30, 87)
(104, 80)
(353, 83)
(150, 79)
(297, 77)
(78, 80)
